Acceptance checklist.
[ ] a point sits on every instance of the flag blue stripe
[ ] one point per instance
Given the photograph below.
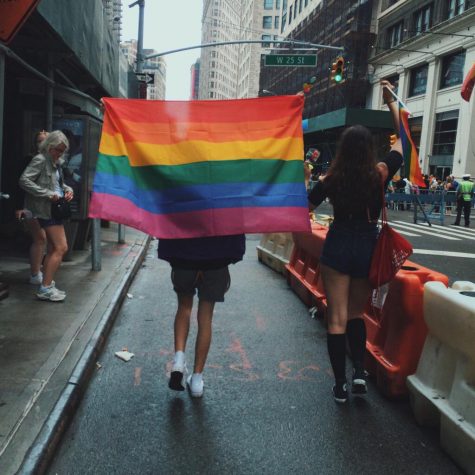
(202, 197)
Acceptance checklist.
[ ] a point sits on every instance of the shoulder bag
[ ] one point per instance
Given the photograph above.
(390, 252)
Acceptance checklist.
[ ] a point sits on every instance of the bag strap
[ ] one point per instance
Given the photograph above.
(384, 214)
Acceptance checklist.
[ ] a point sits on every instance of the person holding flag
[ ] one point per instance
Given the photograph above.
(354, 186)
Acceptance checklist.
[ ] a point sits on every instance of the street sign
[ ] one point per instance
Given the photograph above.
(291, 60)
(13, 15)
(147, 78)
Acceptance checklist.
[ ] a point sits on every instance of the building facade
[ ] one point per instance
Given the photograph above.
(260, 20)
(221, 21)
(195, 80)
(426, 49)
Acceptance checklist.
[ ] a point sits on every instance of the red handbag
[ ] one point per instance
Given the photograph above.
(390, 252)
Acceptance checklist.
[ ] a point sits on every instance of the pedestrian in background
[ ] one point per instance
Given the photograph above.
(354, 186)
(43, 182)
(464, 200)
(38, 235)
(198, 265)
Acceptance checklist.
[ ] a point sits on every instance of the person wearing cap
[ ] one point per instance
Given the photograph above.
(464, 200)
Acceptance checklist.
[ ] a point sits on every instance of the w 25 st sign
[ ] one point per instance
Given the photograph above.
(290, 60)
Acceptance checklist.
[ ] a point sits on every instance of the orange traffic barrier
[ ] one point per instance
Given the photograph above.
(396, 334)
(303, 269)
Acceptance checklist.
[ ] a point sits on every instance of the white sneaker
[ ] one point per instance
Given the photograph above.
(50, 293)
(53, 284)
(195, 386)
(36, 279)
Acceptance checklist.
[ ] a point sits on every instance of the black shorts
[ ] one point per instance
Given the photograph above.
(349, 247)
(211, 284)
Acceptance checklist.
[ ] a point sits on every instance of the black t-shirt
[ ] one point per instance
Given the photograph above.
(370, 210)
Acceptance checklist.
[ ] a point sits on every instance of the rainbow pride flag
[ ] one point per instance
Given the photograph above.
(179, 169)
(409, 150)
(468, 83)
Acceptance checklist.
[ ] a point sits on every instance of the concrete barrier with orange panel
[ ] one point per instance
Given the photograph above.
(304, 266)
(396, 334)
(443, 388)
(275, 250)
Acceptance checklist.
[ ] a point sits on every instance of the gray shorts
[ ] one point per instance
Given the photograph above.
(211, 284)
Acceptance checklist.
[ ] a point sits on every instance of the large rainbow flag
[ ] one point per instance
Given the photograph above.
(179, 169)
(409, 150)
(468, 83)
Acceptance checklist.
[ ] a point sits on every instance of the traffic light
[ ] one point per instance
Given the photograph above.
(308, 85)
(338, 69)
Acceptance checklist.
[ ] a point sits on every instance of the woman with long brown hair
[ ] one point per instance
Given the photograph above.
(353, 186)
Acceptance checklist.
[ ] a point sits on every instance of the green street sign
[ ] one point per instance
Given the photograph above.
(290, 60)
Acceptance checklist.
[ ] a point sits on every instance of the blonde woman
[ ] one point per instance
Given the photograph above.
(43, 182)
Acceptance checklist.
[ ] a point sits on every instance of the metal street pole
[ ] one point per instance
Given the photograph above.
(140, 58)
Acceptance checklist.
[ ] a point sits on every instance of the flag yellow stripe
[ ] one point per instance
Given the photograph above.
(192, 151)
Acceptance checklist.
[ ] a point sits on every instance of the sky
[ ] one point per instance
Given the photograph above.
(168, 25)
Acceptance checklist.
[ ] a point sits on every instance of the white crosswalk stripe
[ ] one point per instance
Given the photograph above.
(417, 228)
(440, 229)
(431, 252)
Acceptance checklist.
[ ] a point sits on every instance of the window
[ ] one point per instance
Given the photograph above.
(291, 9)
(284, 21)
(267, 22)
(300, 6)
(418, 80)
(423, 19)
(455, 7)
(395, 34)
(452, 70)
(277, 4)
(276, 22)
(284, 5)
(445, 132)
(266, 38)
(268, 4)
(306, 2)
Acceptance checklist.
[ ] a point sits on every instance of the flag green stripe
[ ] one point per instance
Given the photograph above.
(160, 177)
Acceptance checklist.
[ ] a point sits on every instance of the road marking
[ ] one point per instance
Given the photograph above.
(430, 252)
(245, 366)
(444, 230)
(423, 231)
(137, 376)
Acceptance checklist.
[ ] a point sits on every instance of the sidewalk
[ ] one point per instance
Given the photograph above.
(47, 349)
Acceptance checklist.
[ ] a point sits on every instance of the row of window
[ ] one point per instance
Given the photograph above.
(269, 4)
(445, 132)
(267, 22)
(451, 74)
(422, 21)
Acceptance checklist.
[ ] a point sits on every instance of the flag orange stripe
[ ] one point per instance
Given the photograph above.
(173, 133)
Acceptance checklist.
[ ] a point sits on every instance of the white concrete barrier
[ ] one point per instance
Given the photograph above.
(443, 389)
(275, 249)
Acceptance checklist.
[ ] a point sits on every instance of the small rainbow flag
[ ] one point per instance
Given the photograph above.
(409, 150)
(181, 169)
(468, 83)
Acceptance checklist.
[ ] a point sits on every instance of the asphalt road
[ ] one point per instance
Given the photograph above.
(267, 407)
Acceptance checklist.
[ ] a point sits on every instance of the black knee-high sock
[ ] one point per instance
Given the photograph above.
(337, 351)
(356, 333)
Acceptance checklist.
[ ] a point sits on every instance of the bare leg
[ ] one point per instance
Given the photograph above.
(57, 248)
(337, 289)
(203, 339)
(37, 248)
(182, 321)
(360, 291)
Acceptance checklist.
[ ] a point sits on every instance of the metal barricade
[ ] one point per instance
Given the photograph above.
(430, 206)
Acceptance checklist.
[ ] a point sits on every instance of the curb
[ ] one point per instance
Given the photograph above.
(39, 455)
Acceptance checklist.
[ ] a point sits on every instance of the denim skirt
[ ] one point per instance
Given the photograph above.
(349, 247)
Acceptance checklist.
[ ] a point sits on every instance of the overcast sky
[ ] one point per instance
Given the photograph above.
(168, 25)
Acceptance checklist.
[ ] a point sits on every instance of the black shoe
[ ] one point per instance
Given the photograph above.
(359, 381)
(340, 392)
(176, 381)
(456, 224)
